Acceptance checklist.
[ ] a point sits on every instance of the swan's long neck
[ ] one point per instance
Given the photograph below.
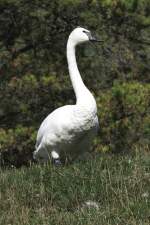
(81, 91)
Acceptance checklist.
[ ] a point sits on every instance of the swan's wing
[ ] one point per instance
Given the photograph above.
(58, 122)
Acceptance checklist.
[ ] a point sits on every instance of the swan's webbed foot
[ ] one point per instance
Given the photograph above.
(57, 162)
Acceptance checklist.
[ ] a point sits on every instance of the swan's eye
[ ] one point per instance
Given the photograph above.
(86, 32)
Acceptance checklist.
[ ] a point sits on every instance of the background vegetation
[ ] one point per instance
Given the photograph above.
(34, 77)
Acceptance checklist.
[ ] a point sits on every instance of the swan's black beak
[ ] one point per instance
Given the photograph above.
(91, 37)
(94, 39)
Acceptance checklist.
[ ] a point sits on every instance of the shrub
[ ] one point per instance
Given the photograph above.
(124, 117)
(17, 146)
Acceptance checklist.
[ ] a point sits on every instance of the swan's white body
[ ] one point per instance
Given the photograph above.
(69, 130)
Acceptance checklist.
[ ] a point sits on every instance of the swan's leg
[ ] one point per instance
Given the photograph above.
(55, 158)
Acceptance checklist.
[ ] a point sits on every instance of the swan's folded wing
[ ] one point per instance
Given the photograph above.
(57, 123)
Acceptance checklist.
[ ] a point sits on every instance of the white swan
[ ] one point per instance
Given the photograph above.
(69, 130)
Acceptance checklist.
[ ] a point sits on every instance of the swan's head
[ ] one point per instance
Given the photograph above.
(80, 35)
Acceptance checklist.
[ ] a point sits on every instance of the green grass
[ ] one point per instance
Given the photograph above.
(44, 194)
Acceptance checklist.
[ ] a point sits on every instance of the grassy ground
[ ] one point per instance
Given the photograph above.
(42, 195)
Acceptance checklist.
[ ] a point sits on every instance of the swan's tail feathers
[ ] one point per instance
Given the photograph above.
(41, 154)
(36, 152)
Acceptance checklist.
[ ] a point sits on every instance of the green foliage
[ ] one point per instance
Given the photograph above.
(20, 97)
(16, 146)
(124, 117)
(38, 32)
